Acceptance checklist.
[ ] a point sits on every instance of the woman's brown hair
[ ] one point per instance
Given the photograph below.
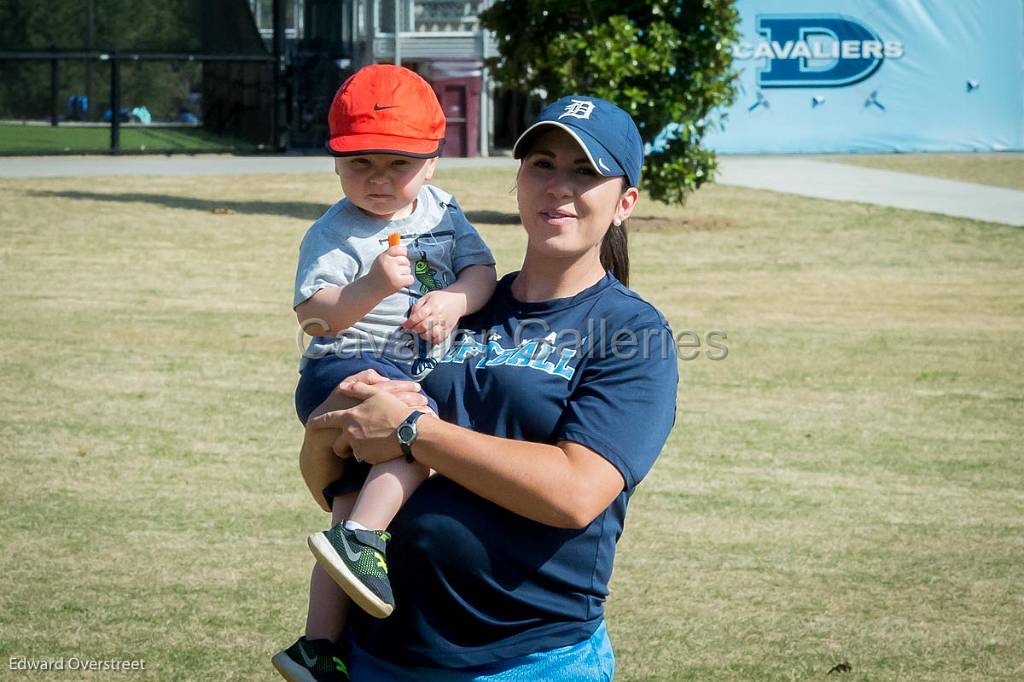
(615, 252)
(615, 248)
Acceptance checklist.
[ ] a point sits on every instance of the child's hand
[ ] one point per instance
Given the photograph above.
(435, 315)
(391, 271)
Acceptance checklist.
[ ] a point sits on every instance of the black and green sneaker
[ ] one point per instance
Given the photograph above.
(355, 559)
(318, 660)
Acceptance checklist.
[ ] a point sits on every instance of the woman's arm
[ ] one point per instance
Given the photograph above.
(318, 462)
(565, 485)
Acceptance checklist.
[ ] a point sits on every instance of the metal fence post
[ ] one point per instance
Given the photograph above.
(54, 106)
(397, 8)
(278, 117)
(115, 103)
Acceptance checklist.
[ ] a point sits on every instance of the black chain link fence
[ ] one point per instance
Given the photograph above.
(102, 76)
(62, 101)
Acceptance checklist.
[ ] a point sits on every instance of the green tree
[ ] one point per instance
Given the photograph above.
(663, 61)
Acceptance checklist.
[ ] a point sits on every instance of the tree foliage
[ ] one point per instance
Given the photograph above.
(663, 61)
(170, 25)
(165, 25)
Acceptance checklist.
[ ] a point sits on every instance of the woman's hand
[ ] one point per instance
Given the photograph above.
(369, 382)
(368, 429)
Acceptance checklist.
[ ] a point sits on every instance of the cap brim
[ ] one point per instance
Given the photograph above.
(354, 145)
(602, 161)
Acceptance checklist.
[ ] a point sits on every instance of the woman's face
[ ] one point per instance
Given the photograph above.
(566, 206)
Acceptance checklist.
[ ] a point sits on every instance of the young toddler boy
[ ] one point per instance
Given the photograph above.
(374, 300)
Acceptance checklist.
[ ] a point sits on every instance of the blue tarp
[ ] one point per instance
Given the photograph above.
(874, 76)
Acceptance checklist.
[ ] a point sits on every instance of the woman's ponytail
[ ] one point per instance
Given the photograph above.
(615, 252)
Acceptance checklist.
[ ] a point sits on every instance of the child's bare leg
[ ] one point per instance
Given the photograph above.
(353, 553)
(320, 466)
(388, 486)
(328, 605)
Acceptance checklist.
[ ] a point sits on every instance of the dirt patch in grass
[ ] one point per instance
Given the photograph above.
(697, 222)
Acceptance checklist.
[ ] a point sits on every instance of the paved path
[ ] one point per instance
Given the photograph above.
(792, 175)
(843, 182)
(212, 164)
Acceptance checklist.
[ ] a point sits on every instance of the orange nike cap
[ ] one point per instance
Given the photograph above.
(385, 109)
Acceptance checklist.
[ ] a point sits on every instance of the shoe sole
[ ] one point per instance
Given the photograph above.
(328, 557)
(290, 670)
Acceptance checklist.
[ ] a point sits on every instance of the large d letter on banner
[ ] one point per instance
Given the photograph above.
(816, 51)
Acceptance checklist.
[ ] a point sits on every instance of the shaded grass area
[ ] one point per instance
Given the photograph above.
(1000, 170)
(845, 486)
(19, 139)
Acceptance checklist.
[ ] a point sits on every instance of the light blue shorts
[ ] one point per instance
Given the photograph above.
(591, 660)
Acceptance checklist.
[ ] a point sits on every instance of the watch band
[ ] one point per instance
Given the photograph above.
(406, 444)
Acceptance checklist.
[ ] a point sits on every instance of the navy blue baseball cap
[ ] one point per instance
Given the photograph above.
(607, 134)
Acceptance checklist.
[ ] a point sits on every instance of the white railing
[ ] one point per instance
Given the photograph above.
(427, 16)
(448, 16)
(377, 17)
(428, 29)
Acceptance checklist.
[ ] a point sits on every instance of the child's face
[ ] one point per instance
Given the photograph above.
(384, 185)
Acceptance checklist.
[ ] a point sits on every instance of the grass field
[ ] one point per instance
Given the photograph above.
(19, 139)
(847, 485)
(1000, 170)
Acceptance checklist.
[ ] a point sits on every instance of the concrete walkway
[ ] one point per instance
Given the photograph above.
(791, 175)
(843, 182)
(211, 164)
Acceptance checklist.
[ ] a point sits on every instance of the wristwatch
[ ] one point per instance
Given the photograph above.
(407, 433)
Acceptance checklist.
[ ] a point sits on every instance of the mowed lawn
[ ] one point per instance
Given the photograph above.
(846, 486)
(35, 139)
(1005, 169)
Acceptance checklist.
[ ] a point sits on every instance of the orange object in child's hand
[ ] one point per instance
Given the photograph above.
(394, 239)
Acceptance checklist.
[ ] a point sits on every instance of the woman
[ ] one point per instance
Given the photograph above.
(555, 400)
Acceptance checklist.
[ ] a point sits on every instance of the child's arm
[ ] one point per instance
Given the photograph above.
(435, 315)
(341, 307)
(476, 283)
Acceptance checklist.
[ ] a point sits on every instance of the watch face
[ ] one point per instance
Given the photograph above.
(405, 433)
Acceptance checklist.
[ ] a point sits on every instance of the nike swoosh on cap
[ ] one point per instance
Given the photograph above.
(601, 163)
(378, 107)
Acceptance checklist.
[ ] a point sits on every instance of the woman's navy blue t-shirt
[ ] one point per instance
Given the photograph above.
(475, 583)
